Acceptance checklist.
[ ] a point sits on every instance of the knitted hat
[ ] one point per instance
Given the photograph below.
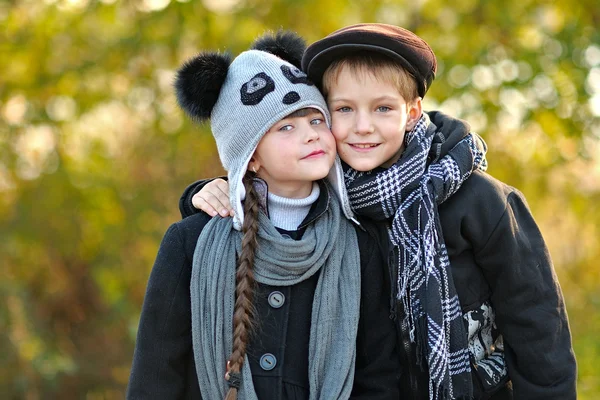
(245, 97)
(402, 45)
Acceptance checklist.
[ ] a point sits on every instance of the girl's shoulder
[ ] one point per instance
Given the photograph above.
(188, 230)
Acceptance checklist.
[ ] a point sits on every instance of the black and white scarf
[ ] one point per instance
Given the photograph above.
(409, 193)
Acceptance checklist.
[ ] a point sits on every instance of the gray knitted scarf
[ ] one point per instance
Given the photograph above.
(328, 245)
(408, 193)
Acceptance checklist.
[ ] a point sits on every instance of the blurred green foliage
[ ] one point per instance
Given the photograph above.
(94, 153)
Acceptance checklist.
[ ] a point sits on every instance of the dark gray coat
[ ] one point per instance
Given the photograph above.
(163, 363)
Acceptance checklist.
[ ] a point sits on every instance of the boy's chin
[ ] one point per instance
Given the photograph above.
(361, 165)
(368, 164)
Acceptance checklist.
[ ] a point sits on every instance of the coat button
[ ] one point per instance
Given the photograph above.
(268, 361)
(276, 299)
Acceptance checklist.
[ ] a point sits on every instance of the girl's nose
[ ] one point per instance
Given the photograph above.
(313, 134)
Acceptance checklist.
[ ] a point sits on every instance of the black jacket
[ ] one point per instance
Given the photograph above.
(498, 256)
(163, 364)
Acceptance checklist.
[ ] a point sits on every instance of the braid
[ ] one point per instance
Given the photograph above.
(243, 312)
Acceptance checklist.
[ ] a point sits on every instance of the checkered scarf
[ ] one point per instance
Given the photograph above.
(409, 193)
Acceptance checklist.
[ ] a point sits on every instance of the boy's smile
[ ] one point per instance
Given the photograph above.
(369, 119)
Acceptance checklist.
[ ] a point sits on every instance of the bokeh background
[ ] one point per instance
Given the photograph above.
(94, 154)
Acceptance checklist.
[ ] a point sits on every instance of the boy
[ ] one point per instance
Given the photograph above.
(501, 283)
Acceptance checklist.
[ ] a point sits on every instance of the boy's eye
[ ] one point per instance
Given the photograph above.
(383, 108)
(286, 128)
(316, 121)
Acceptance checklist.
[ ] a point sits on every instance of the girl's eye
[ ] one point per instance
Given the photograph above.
(383, 108)
(286, 128)
(316, 121)
(344, 109)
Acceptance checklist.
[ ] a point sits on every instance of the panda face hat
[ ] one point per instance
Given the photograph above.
(245, 97)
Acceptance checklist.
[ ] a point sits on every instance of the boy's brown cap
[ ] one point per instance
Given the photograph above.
(412, 52)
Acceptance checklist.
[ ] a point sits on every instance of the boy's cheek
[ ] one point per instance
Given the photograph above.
(338, 141)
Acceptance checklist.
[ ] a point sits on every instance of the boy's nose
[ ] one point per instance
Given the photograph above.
(363, 124)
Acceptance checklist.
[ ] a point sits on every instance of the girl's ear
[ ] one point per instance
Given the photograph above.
(415, 110)
(253, 165)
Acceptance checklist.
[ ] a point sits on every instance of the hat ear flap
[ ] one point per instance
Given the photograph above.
(287, 45)
(198, 83)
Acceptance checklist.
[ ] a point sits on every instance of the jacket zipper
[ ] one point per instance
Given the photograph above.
(397, 314)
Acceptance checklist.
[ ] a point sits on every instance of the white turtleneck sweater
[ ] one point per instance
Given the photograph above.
(287, 213)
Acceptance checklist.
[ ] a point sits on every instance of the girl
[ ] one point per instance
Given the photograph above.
(279, 310)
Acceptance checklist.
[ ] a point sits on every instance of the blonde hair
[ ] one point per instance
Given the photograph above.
(383, 68)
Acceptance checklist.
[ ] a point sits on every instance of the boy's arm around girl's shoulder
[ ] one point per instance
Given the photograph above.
(163, 361)
(377, 361)
(186, 207)
(530, 311)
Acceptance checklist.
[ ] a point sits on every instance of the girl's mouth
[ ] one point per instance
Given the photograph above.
(314, 154)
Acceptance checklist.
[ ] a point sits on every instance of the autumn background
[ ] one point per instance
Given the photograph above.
(94, 154)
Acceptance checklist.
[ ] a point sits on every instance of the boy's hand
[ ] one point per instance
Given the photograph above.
(212, 197)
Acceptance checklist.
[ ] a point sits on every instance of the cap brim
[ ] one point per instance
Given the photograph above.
(322, 60)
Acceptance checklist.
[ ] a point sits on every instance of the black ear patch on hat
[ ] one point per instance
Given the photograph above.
(294, 75)
(253, 91)
(287, 45)
(291, 98)
(198, 83)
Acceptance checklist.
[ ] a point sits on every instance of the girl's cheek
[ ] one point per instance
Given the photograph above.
(327, 135)
(336, 130)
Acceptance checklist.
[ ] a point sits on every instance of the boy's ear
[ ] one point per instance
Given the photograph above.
(415, 110)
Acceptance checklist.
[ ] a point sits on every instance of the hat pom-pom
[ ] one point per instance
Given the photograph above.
(198, 83)
(286, 45)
